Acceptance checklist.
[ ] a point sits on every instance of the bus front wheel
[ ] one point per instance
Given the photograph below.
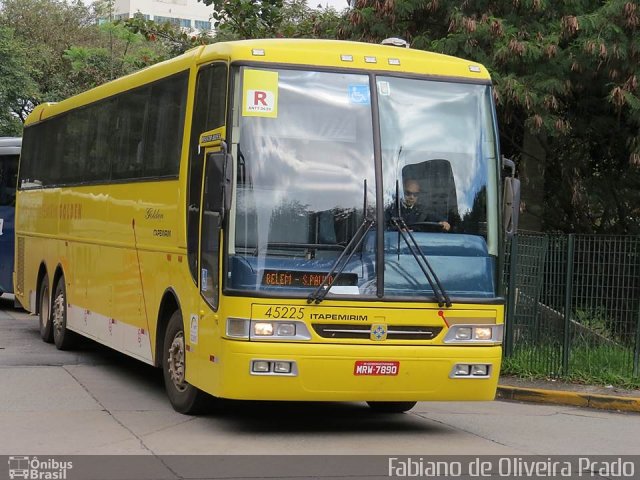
(184, 398)
(44, 311)
(391, 407)
(62, 336)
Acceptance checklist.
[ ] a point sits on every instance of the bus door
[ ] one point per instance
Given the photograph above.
(214, 200)
(216, 197)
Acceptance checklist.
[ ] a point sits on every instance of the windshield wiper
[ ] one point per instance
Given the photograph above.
(404, 231)
(321, 291)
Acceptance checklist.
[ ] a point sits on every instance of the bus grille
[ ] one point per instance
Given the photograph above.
(363, 332)
(20, 264)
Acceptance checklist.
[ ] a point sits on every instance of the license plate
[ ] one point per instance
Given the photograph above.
(364, 367)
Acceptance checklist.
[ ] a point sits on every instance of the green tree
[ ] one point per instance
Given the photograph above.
(56, 48)
(17, 89)
(565, 76)
(46, 29)
(169, 37)
(118, 51)
(243, 19)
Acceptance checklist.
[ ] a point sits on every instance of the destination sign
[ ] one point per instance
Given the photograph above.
(293, 278)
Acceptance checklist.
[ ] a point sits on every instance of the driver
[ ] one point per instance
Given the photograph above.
(411, 210)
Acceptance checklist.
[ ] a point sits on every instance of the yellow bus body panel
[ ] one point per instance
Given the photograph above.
(326, 368)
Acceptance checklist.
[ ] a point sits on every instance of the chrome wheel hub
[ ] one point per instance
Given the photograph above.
(175, 362)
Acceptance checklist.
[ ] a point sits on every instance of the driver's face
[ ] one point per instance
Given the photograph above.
(411, 191)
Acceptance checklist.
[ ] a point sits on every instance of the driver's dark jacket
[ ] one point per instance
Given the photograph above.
(411, 215)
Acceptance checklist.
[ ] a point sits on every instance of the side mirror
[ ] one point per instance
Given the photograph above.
(510, 198)
(219, 181)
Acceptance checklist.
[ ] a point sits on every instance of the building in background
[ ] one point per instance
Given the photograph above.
(187, 14)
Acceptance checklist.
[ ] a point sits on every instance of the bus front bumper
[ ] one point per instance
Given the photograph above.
(329, 372)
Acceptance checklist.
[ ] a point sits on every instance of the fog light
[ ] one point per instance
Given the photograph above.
(463, 333)
(483, 333)
(260, 366)
(286, 330)
(282, 367)
(479, 370)
(461, 370)
(263, 328)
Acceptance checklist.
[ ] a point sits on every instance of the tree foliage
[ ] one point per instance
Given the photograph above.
(243, 19)
(566, 87)
(52, 49)
(565, 76)
(17, 89)
(172, 38)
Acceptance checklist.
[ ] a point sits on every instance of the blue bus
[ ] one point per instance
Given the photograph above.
(9, 153)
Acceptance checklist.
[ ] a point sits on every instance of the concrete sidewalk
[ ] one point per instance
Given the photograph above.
(564, 393)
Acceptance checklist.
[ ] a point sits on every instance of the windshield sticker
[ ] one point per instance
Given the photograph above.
(359, 94)
(384, 89)
(260, 94)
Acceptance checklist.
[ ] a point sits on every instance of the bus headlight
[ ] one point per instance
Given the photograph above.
(279, 330)
(464, 333)
(482, 333)
(286, 330)
(474, 334)
(263, 329)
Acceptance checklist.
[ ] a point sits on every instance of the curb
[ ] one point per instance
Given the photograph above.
(560, 397)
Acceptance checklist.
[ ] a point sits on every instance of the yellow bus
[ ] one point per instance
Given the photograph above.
(275, 220)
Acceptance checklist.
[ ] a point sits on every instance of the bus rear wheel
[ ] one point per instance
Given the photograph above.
(391, 407)
(44, 311)
(184, 398)
(62, 336)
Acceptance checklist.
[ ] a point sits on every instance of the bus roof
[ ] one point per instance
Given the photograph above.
(10, 145)
(316, 53)
(330, 53)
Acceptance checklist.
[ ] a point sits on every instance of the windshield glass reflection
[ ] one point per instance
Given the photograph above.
(304, 169)
(439, 176)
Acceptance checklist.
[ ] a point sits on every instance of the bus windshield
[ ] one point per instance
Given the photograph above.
(439, 152)
(306, 172)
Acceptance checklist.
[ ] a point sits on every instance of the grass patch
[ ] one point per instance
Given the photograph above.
(592, 365)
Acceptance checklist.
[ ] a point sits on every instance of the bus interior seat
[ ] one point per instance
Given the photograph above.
(437, 185)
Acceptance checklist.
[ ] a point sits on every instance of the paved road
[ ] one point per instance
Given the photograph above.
(95, 401)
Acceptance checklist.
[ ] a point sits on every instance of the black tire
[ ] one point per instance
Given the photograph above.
(44, 311)
(184, 398)
(62, 336)
(391, 407)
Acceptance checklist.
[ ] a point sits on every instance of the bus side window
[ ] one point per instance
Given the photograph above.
(129, 128)
(210, 233)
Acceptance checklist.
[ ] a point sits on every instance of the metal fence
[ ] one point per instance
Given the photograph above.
(573, 306)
